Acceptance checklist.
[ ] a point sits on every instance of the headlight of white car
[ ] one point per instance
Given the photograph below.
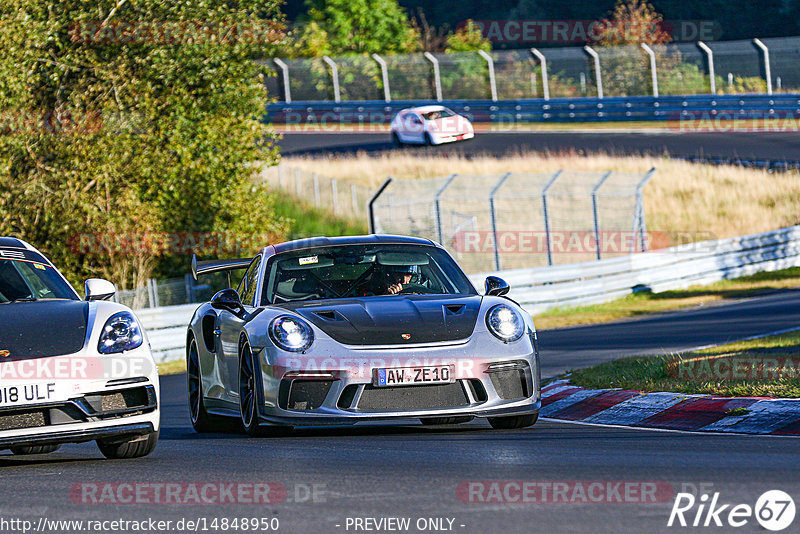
(505, 323)
(120, 333)
(291, 333)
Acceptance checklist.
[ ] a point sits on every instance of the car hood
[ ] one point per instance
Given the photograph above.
(393, 320)
(42, 329)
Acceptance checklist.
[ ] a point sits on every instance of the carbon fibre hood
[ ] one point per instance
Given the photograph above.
(393, 320)
(41, 329)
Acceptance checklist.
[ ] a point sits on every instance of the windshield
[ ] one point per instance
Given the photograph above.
(28, 280)
(433, 115)
(362, 271)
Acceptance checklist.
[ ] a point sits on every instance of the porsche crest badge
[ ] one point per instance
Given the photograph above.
(406, 336)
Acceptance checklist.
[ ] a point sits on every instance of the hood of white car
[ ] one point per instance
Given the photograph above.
(41, 329)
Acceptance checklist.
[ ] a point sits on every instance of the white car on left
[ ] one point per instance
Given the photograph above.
(71, 370)
(430, 125)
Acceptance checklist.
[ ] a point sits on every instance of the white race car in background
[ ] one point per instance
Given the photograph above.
(430, 125)
(70, 370)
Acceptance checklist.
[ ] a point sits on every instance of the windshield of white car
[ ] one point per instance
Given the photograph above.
(29, 281)
(434, 115)
(356, 271)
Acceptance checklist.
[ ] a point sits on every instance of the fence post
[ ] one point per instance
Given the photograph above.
(493, 214)
(653, 67)
(597, 72)
(711, 73)
(280, 175)
(640, 223)
(437, 207)
(152, 292)
(767, 66)
(547, 217)
(371, 204)
(492, 80)
(335, 193)
(436, 78)
(545, 81)
(595, 189)
(387, 94)
(297, 182)
(316, 190)
(188, 282)
(287, 90)
(337, 97)
(354, 197)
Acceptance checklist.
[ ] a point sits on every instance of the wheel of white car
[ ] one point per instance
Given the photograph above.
(396, 140)
(428, 139)
(132, 448)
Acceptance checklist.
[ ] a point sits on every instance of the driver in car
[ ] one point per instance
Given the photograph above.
(396, 277)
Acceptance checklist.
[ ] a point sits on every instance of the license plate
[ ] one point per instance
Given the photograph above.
(408, 376)
(21, 394)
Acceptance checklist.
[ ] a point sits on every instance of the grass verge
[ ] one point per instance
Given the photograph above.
(172, 368)
(308, 221)
(766, 367)
(646, 302)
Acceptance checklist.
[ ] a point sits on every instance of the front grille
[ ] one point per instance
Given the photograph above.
(304, 394)
(511, 384)
(413, 397)
(16, 421)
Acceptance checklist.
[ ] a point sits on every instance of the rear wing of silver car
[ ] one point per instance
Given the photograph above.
(217, 266)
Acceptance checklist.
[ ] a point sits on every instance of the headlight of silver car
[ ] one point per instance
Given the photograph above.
(505, 323)
(291, 333)
(120, 333)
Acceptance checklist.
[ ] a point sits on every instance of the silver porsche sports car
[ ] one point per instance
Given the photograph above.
(354, 329)
(71, 370)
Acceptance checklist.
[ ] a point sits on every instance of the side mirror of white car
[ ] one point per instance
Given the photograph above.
(99, 289)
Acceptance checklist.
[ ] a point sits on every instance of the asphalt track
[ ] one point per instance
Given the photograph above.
(406, 470)
(777, 146)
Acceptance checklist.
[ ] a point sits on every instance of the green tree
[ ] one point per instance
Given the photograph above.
(356, 27)
(123, 120)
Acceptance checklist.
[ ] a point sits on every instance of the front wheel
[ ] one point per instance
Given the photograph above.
(34, 449)
(514, 421)
(428, 139)
(132, 448)
(396, 142)
(249, 398)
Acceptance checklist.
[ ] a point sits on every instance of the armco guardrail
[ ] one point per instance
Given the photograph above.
(635, 108)
(570, 285)
(166, 328)
(674, 268)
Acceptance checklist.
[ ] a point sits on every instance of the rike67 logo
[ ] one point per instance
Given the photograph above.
(774, 510)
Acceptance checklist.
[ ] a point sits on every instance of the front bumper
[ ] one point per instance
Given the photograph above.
(110, 413)
(504, 385)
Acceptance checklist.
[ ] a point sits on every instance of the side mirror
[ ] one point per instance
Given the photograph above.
(227, 299)
(98, 289)
(496, 287)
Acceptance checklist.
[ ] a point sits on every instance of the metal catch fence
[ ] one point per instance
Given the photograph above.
(341, 198)
(724, 67)
(519, 220)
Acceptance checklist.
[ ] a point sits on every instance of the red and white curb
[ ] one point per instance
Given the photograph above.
(672, 411)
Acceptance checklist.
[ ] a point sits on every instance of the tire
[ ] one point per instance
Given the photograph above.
(133, 448)
(514, 421)
(396, 142)
(35, 449)
(202, 421)
(428, 139)
(249, 398)
(431, 421)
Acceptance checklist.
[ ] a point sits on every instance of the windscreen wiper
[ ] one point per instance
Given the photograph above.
(22, 299)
